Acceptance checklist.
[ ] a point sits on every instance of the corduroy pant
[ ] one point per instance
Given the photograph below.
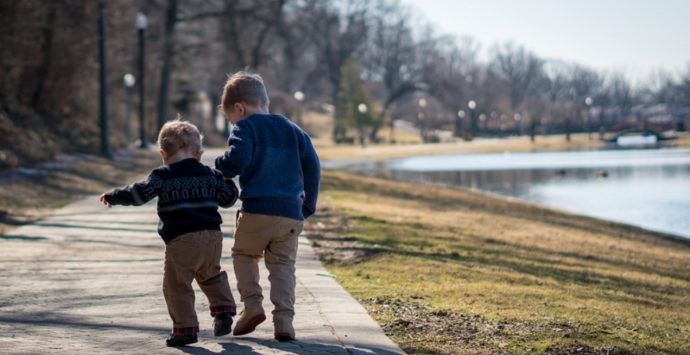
(195, 256)
(275, 238)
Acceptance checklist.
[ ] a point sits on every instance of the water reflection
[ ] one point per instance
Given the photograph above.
(650, 189)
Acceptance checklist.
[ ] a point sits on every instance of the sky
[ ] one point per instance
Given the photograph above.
(637, 37)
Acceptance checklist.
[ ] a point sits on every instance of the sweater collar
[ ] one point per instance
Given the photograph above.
(185, 162)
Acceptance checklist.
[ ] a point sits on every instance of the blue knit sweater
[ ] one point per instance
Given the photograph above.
(278, 167)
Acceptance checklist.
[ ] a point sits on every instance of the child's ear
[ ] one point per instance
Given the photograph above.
(163, 154)
(239, 108)
(198, 155)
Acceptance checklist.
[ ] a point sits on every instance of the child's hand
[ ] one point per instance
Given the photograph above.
(104, 201)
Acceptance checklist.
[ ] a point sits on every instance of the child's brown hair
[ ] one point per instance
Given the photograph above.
(244, 87)
(180, 135)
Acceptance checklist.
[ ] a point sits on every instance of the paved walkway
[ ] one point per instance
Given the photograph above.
(88, 280)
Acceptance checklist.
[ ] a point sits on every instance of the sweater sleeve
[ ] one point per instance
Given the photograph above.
(227, 191)
(311, 168)
(137, 193)
(239, 154)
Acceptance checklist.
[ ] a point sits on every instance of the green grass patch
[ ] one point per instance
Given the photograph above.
(458, 272)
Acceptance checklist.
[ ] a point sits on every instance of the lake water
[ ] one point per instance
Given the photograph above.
(646, 188)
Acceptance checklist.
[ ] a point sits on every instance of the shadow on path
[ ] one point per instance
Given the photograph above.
(27, 238)
(243, 346)
(67, 322)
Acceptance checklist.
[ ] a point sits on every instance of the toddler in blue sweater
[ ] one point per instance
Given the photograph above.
(279, 176)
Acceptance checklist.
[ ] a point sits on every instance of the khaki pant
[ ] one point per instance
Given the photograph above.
(192, 256)
(275, 238)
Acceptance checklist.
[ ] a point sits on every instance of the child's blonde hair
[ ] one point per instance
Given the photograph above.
(244, 87)
(180, 135)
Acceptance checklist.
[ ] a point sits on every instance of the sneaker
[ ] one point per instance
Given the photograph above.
(283, 329)
(249, 320)
(180, 339)
(222, 323)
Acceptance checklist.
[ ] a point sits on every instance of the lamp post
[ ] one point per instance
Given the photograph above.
(299, 96)
(472, 105)
(103, 98)
(458, 123)
(422, 118)
(141, 23)
(362, 109)
(588, 102)
(129, 80)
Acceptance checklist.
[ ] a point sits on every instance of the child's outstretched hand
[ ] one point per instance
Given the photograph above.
(104, 201)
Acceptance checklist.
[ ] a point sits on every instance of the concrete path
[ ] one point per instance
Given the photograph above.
(88, 280)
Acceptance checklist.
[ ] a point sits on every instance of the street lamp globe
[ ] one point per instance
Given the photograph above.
(299, 96)
(129, 80)
(588, 101)
(472, 105)
(461, 114)
(422, 103)
(141, 21)
(362, 108)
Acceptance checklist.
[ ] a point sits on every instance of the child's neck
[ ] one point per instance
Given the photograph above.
(177, 157)
(251, 110)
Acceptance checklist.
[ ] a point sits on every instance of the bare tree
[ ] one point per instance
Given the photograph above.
(451, 77)
(621, 94)
(390, 57)
(519, 68)
(338, 31)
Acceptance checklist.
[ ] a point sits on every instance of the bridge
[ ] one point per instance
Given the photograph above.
(637, 137)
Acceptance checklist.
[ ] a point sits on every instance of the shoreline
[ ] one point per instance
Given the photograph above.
(490, 194)
(367, 167)
(494, 195)
(410, 252)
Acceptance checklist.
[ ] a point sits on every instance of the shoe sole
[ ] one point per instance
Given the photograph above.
(251, 325)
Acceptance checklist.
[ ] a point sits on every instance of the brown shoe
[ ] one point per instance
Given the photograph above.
(283, 330)
(249, 320)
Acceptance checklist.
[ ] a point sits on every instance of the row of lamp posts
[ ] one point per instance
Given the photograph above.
(130, 81)
(472, 106)
(461, 114)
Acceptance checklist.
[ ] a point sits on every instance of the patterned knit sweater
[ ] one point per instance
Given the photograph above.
(188, 192)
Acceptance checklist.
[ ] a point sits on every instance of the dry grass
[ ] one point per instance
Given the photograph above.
(26, 198)
(683, 141)
(541, 280)
(329, 151)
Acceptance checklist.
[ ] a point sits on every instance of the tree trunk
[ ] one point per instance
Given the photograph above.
(166, 69)
(47, 55)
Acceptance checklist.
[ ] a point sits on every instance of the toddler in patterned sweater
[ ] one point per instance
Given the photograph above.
(189, 194)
